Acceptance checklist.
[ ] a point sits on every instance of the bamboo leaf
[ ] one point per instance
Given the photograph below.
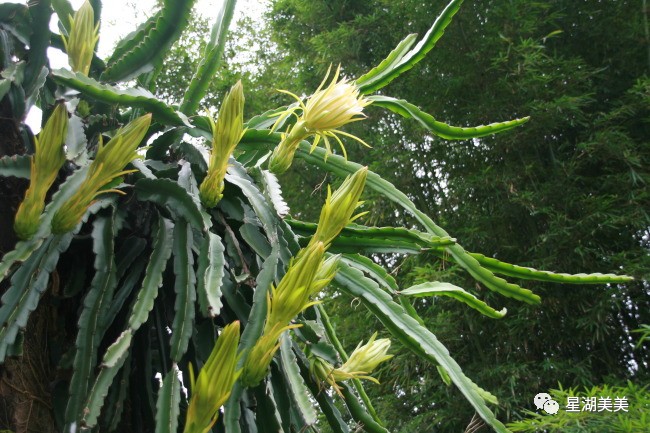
(113, 361)
(400, 61)
(134, 97)
(297, 389)
(150, 43)
(153, 279)
(210, 60)
(16, 166)
(169, 194)
(414, 336)
(340, 166)
(168, 403)
(410, 111)
(436, 288)
(96, 303)
(185, 288)
(210, 275)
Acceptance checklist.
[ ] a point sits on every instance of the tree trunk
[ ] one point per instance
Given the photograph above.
(25, 394)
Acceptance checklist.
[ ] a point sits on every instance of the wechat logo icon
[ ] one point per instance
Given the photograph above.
(545, 403)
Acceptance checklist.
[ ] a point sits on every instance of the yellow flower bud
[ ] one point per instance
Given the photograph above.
(294, 290)
(212, 388)
(364, 360)
(46, 162)
(84, 34)
(326, 110)
(260, 356)
(361, 363)
(108, 165)
(339, 207)
(226, 133)
(307, 274)
(326, 272)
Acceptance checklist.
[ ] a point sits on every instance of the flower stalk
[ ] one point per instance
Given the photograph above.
(214, 384)
(109, 164)
(84, 34)
(226, 133)
(48, 158)
(327, 110)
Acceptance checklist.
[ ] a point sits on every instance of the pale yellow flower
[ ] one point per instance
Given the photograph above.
(226, 133)
(308, 273)
(364, 360)
(212, 388)
(45, 164)
(327, 110)
(84, 34)
(108, 165)
(361, 363)
(339, 207)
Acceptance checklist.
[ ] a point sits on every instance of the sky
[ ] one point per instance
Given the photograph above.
(120, 17)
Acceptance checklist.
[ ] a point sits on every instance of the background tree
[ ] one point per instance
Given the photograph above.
(144, 255)
(568, 191)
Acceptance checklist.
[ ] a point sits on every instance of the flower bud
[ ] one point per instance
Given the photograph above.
(108, 165)
(293, 293)
(365, 359)
(84, 34)
(326, 110)
(46, 162)
(361, 363)
(260, 356)
(339, 207)
(226, 133)
(212, 388)
(326, 272)
(307, 274)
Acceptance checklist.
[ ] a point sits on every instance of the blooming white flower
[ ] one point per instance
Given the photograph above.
(361, 363)
(364, 359)
(325, 112)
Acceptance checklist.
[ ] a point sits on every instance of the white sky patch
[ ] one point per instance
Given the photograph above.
(121, 17)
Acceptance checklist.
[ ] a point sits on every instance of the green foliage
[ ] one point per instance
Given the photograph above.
(152, 278)
(609, 418)
(567, 191)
